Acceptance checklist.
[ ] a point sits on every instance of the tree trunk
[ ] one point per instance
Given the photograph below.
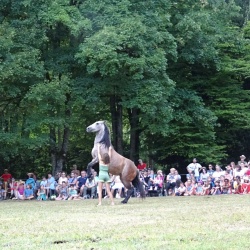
(59, 148)
(134, 134)
(116, 116)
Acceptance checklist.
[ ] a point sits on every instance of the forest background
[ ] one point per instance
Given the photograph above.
(171, 78)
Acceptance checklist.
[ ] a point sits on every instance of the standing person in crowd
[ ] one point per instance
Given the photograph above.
(31, 181)
(195, 167)
(75, 171)
(51, 185)
(141, 165)
(6, 176)
(91, 186)
(242, 160)
(171, 181)
(210, 170)
(81, 181)
(104, 161)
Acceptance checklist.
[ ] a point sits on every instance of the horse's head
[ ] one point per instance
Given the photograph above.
(96, 127)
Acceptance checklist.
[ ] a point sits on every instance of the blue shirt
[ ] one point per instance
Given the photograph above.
(28, 192)
(81, 181)
(51, 182)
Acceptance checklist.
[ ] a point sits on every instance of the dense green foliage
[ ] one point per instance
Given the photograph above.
(172, 78)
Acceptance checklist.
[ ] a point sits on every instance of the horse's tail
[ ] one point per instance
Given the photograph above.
(138, 184)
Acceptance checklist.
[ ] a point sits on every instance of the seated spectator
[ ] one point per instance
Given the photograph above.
(210, 170)
(210, 182)
(217, 173)
(141, 165)
(206, 188)
(198, 190)
(228, 174)
(96, 177)
(72, 179)
(13, 187)
(91, 186)
(237, 171)
(158, 181)
(44, 183)
(28, 192)
(216, 190)
(117, 185)
(237, 185)
(180, 191)
(226, 187)
(189, 188)
(62, 179)
(204, 175)
(151, 180)
(41, 194)
(81, 181)
(2, 193)
(171, 181)
(248, 169)
(245, 186)
(62, 192)
(19, 194)
(73, 192)
(177, 176)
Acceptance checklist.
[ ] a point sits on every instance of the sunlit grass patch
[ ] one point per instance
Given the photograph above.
(218, 222)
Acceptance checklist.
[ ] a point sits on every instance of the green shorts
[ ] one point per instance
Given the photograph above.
(104, 177)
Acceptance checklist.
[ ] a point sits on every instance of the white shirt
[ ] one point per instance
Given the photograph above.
(194, 167)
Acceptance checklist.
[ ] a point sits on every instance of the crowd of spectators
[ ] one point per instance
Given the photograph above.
(75, 186)
(199, 180)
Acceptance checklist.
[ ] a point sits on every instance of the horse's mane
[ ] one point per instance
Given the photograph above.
(106, 138)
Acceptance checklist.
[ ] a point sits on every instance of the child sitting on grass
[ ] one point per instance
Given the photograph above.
(28, 192)
(73, 193)
(41, 195)
(63, 192)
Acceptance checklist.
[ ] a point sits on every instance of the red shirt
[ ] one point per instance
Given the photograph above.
(6, 177)
(141, 166)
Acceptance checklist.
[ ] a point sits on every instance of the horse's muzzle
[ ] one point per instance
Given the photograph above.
(87, 129)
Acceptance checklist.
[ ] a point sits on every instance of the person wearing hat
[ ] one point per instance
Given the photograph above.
(242, 160)
(6, 176)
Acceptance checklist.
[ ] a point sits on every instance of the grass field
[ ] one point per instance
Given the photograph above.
(220, 222)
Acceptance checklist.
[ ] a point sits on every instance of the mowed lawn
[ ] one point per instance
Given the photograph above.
(218, 222)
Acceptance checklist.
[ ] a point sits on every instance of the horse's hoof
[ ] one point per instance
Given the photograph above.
(124, 202)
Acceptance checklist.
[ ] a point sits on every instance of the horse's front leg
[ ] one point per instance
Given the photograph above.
(91, 164)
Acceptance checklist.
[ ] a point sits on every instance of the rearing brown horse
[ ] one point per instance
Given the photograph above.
(119, 165)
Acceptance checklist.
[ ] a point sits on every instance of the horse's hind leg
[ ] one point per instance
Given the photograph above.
(129, 192)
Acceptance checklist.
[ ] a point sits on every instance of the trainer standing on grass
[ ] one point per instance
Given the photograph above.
(104, 161)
